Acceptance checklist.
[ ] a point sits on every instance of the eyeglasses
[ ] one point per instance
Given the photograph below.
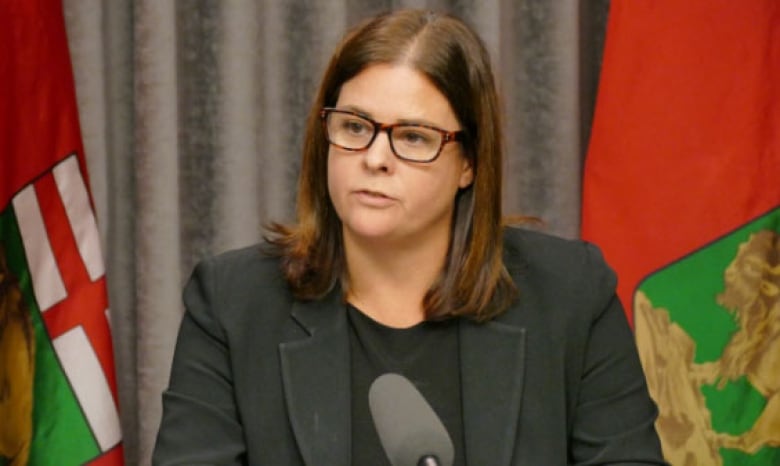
(409, 141)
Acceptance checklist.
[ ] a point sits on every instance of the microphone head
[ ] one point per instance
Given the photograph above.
(408, 428)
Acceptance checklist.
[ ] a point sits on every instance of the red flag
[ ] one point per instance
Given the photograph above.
(682, 192)
(59, 402)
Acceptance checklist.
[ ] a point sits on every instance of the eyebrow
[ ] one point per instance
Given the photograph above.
(402, 121)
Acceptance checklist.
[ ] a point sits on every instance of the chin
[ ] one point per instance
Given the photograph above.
(372, 233)
(372, 230)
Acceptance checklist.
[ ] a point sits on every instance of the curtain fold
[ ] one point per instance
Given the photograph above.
(192, 116)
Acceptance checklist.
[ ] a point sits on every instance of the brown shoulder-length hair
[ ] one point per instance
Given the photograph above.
(473, 281)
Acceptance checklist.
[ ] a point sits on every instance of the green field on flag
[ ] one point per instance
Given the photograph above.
(61, 434)
(688, 290)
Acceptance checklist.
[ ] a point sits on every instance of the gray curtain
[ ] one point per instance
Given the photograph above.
(192, 114)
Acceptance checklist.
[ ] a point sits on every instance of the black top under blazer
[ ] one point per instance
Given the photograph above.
(261, 378)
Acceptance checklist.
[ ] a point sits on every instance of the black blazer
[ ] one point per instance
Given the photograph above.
(261, 378)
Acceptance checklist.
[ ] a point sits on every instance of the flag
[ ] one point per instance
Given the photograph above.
(682, 192)
(58, 394)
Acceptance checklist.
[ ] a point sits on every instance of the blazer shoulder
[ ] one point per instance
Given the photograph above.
(238, 280)
(534, 248)
(251, 263)
(568, 267)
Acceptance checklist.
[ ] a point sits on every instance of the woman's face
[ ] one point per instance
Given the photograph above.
(378, 196)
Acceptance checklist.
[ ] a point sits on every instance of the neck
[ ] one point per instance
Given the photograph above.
(389, 281)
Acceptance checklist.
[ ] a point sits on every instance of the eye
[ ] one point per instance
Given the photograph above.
(356, 126)
(412, 136)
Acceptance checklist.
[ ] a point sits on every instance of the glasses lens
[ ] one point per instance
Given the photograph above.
(349, 131)
(416, 143)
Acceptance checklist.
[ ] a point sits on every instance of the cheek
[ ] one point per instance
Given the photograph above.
(435, 190)
(336, 177)
(331, 174)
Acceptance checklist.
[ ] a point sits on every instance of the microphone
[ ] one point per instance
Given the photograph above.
(410, 431)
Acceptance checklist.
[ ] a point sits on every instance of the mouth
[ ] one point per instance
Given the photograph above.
(373, 199)
(373, 194)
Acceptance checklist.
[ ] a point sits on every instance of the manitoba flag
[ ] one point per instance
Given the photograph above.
(58, 403)
(682, 192)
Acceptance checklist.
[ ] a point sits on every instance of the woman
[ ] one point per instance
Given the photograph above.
(514, 342)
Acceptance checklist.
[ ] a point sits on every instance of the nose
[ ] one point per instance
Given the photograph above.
(379, 155)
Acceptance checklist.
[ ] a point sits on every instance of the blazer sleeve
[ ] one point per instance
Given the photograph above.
(614, 416)
(200, 423)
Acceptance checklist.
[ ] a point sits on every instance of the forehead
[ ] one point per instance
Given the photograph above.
(392, 92)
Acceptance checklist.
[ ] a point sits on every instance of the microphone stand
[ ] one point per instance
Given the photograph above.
(428, 460)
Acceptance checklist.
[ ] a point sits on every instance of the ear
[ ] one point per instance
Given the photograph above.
(466, 175)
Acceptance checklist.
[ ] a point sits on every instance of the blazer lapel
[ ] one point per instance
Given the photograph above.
(492, 365)
(315, 373)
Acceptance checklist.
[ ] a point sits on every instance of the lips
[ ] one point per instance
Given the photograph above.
(373, 198)
(368, 192)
